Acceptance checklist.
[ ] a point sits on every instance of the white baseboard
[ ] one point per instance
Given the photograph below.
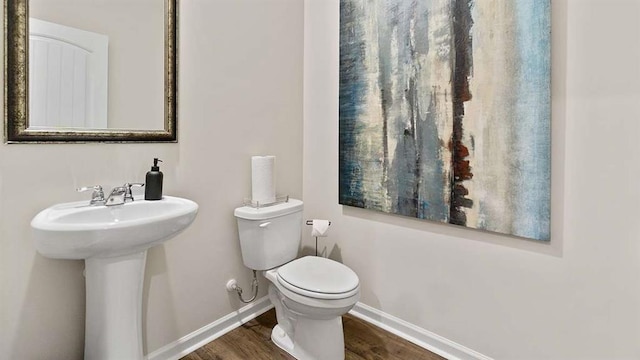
(419, 336)
(208, 333)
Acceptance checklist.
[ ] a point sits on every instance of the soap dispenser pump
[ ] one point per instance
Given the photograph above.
(153, 182)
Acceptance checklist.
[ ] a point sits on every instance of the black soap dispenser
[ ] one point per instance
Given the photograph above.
(153, 182)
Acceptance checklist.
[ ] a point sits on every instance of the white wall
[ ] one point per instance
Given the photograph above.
(575, 298)
(240, 95)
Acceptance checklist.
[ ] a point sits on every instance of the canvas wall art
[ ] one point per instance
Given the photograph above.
(445, 111)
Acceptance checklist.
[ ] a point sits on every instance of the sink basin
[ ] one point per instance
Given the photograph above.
(113, 241)
(77, 230)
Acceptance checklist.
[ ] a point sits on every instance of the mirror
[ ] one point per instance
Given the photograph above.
(90, 71)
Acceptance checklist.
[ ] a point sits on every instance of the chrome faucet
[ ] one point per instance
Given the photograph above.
(97, 197)
(118, 196)
(128, 196)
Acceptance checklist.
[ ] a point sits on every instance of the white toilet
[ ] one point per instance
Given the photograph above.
(310, 294)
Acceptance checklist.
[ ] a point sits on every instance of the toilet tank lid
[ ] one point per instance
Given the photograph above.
(268, 212)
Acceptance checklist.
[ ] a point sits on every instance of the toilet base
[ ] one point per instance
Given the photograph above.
(315, 340)
(282, 340)
(308, 328)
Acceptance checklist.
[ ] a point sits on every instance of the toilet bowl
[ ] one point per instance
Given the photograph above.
(310, 294)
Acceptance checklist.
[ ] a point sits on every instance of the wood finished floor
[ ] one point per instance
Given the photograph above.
(252, 341)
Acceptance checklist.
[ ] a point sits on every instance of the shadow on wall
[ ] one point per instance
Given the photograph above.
(62, 284)
(335, 253)
(553, 248)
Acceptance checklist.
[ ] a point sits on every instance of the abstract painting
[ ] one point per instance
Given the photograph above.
(445, 111)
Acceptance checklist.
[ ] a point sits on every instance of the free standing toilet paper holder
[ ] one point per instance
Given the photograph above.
(310, 222)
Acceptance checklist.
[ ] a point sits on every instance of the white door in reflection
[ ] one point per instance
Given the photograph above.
(68, 77)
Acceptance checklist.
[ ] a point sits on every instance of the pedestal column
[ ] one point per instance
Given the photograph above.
(113, 328)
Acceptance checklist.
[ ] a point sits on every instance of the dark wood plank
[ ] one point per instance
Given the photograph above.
(366, 341)
(363, 341)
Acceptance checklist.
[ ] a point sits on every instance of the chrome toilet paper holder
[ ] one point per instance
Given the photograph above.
(310, 222)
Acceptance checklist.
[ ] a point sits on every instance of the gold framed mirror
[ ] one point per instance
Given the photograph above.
(20, 127)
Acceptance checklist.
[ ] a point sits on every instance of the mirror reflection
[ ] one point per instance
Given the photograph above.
(90, 70)
(69, 71)
(93, 62)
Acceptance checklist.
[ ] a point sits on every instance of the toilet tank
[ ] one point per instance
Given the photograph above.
(269, 236)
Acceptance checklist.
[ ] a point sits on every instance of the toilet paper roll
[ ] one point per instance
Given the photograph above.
(263, 179)
(320, 228)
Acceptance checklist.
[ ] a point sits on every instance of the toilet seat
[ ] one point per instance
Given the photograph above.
(318, 278)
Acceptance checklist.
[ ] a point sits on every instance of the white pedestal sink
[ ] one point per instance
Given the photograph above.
(113, 240)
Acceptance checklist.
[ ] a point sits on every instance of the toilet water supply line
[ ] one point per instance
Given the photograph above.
(238, 289)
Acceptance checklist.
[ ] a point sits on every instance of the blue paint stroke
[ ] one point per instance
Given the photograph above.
(533, 128)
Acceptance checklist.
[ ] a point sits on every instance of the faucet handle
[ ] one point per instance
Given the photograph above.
(128, 195)
(97, 196)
